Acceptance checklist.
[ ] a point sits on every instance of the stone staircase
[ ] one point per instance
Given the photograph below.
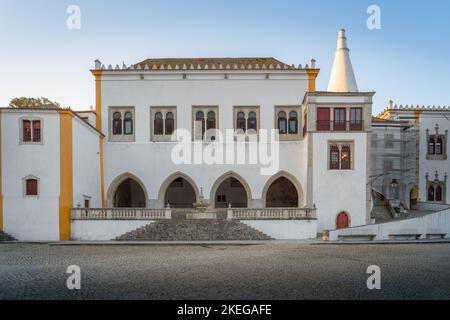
(381, 214)
(6, 237)
(194, 230)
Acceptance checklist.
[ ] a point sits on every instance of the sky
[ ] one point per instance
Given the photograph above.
(407, 60)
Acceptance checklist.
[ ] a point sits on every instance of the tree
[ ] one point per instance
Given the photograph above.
(42, 102)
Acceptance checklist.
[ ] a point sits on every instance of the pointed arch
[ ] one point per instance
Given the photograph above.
(177, 175)
(223, 178)
(290, 178)
(116, 184)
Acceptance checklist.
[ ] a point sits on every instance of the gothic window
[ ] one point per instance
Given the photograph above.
(293, 122)
(117, 123)
(431, 146)
(211, 120)
(170, 123)
(252, 122)
(438, 146)
(200, 123)
(240, 122)
(121, 125)
(128, 123)
(282, 122)
(158, 125)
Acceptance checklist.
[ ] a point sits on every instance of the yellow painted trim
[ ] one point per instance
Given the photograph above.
(98, 123)
(66, 173)
(98, 98)
(417, 114)
(102, 174)
(312, 76)
(1, 180)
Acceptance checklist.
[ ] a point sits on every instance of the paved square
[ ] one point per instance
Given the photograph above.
(268, 271)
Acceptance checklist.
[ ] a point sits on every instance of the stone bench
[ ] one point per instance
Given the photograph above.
(357, 237)
(431, 236)
(405, 236)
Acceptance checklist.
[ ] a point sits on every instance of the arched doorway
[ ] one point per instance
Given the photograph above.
(180, 194)
(413, 197)
(342, 221)
(231, 191)
(282, 193)
(129, 194)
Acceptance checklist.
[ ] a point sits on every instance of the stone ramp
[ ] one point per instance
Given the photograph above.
(195, 230)
(4, 237)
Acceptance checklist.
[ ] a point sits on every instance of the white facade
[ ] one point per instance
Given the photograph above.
(126, 160)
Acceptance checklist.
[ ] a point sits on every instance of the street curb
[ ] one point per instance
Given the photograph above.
(359, 243)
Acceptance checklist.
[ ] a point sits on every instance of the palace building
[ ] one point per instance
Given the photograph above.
(108, 173)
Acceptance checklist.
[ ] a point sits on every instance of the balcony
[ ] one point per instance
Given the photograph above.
(340, 126)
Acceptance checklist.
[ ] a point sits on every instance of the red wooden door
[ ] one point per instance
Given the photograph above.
(323, 119)
(342, 221)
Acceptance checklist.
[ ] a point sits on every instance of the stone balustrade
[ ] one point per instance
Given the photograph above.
(121, 214)
(271, 214)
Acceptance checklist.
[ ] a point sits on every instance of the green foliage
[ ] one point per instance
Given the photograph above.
(24, 102)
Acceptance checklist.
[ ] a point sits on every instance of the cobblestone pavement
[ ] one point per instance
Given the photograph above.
(266, 271)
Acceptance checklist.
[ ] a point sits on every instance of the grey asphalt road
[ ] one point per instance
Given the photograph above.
(275, 271)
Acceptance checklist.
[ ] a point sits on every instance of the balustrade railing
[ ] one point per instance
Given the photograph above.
(121, 214)
(271, 214)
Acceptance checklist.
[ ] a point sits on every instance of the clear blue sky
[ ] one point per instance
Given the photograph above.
(408, 60)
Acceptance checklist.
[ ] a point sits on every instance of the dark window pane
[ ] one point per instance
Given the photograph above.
(170, 123)
(431, 193)
(293, 123)
(252, 122)
(211, 121)
(37, 131)
(158, 126)
(27, 131)
(345, 158)
(117, 123)
(240, 122)
(31, 187)
(334, 158)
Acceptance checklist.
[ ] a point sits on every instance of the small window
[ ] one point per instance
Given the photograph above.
(31, 187)
(339, 119)
(158, 124)
(26, 131)
(31, 131)
(282, 122)
(37, 131)
(170, 123)
(211, 120)
(240, 122)
(334, 157)
(438, 148)
(252, 124)
(117, 123)
(87, 203)
(431, 146)
(200, 123)
(128, 123)
(345, 158)
(293, 123)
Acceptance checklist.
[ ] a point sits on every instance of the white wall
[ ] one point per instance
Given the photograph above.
(92, 230)
(285, 229)
(86, 165)
(27, 218)
(151, 162)
(434, 223)
(335, 191)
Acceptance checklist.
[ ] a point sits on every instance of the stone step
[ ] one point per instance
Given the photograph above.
(194, 230)
(6, 237)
